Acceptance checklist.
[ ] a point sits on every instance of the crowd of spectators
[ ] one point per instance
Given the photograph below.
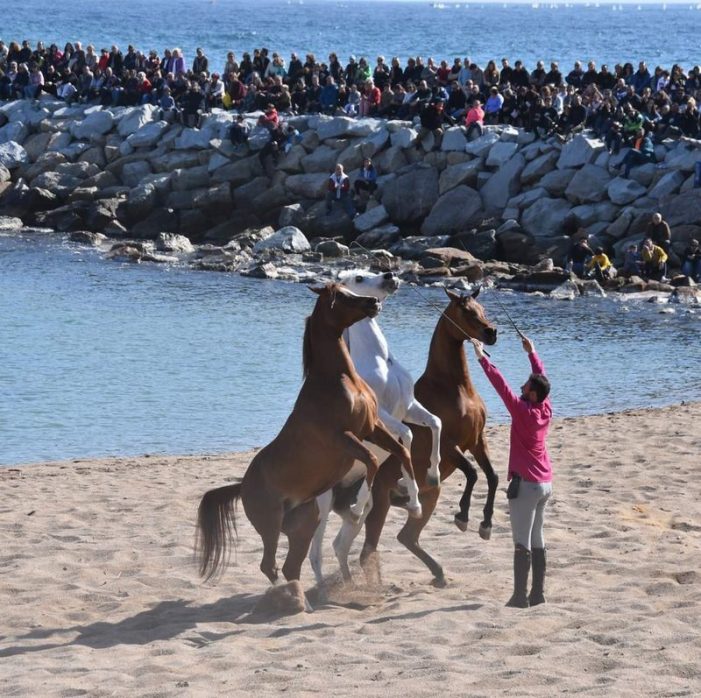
(624, 105)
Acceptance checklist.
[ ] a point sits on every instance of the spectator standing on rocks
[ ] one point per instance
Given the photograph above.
(658, 231)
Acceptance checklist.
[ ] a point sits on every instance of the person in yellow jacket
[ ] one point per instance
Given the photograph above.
(654, 261)
(599, 266)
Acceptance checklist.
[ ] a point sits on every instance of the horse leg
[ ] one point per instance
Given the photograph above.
(481, 454)
(265, 513)
(299, 525)
(409, 535)
(343, 541)
(403, 434)
(375, 522)
(383, 438)
(361, 452)
(418, 414)
(324, 503)
(465, 467)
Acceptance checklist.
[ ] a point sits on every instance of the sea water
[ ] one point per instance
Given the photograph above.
(103, 358)
(605, 32)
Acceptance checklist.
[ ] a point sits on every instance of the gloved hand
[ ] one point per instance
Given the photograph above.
(479, 348)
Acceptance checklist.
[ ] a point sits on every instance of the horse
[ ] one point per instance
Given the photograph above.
(394, 389)
(445, 389)
(332, 416)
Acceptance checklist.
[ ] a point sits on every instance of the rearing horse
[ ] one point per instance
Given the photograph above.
(334, 412)
(445, 389)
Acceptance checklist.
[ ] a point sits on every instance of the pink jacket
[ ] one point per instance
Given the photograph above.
(528, 454)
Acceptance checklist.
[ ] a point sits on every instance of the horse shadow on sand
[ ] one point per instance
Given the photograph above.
(169, 619)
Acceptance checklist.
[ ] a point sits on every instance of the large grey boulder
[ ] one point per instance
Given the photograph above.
(134, 118)
(581, 150)
(194, 139)
(557, 181)
(12, 155)
(190, 178)
(238, 172)
(5, 175)
(10, 223)
(372, 218)
(683, 157)
(375, 142)
(381, 237)
(321, 159)
(410, 196)
(461, 173)
(454, 139)
(545, 217)
(141, 201)
(16, 131)
(500, 153)
(482, 244)
(403, 137)
(503, 184)
(683, 209)
(539, 167)
(527, 198)
(668, 184)
(332, 127)
(171, 242)
(589, 214)
(95, 124)
(134, 172)
(481, 146)
(288, 239)
(623, 191)
(167, 162)
(308, 186)
(588, 184)
(453, 212)
(148, 135)
(392, 159)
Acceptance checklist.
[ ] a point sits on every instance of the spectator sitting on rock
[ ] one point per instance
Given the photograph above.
(432, 121)
(214, 92)
(474, 121)
(492, 107)
(168, 108)
(339, 191)
(192, 104)
(600, 267)
(691, 261)
(643, 151)
(269, 118)
(654, 261)
(367, 179)
(579, 253)
(572, 119)
(328, 98)
(239, 131)
(546, 117)
(631, 261)
(369, 99)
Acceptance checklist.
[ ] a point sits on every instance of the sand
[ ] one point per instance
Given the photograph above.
(100, 594)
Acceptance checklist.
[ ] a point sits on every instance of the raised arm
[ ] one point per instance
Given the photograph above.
(529, 348)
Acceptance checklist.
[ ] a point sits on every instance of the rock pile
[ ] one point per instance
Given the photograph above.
(123, 173)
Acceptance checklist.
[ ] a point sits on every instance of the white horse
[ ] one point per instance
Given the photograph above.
(394, 388)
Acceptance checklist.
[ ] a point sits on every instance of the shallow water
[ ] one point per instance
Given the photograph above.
(611, 33)
(100, 358)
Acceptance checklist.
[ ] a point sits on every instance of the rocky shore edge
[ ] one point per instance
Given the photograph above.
(500, 209)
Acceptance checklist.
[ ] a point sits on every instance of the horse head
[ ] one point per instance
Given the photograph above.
(367, 283)
(341, 307)
(467, 318)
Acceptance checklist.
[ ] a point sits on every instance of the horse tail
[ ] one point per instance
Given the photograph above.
(216, 528)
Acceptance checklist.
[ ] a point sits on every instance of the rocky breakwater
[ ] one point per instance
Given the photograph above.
(494, 206)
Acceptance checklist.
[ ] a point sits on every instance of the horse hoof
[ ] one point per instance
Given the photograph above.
(433, 481)
(485, 532)
(415, 512)
(439, 582)
(460, 523)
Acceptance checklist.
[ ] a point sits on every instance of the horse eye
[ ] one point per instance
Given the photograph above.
(359, 279)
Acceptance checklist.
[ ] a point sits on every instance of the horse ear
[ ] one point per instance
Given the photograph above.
(452, 295)
(317, 289)
(476, 292)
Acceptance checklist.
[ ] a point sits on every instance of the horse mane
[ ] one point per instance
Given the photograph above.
(306, 348)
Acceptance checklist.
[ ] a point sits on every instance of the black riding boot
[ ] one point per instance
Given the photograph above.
(538, 579)
(522, 566)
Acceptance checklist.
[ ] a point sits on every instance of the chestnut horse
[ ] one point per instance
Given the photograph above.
(445, 389)
(334, 412)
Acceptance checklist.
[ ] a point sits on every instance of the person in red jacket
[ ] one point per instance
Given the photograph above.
(530, 471)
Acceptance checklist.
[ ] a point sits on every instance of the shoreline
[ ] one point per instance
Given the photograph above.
(97, 560)
(103, 460)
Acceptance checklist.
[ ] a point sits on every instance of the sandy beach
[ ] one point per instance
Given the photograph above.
(100, 593)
